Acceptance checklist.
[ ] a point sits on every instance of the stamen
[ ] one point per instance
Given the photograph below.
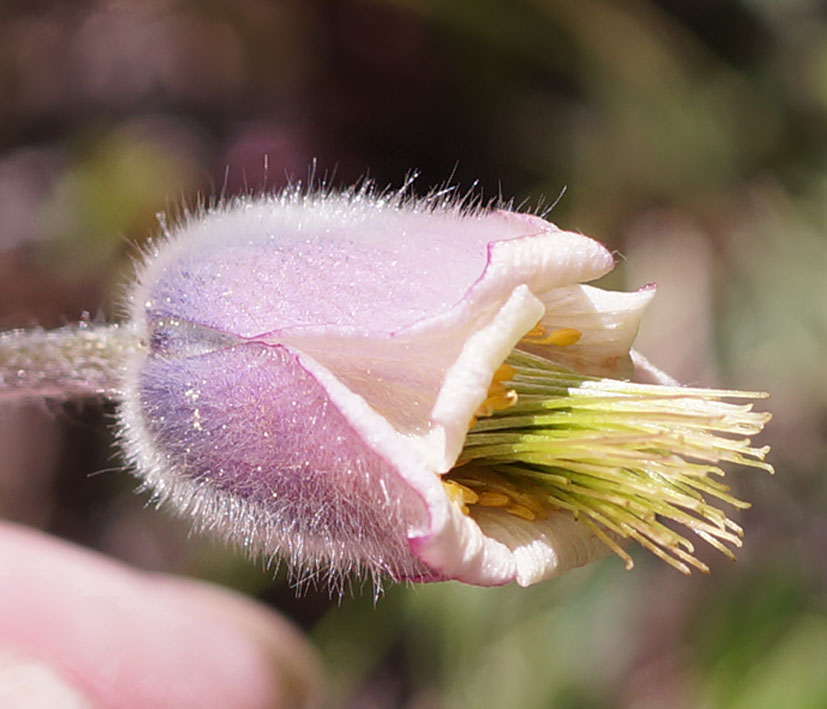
(504, 373)
(493, 499)
(620, 457)
(460, 495)
(561, 338)
(499, 397)
(520, 511)
(537, 331)
(497, 401)
(493, 490)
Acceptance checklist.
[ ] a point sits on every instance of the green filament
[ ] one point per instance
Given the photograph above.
(629, 460)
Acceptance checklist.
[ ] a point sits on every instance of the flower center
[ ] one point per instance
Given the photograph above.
(623, 458)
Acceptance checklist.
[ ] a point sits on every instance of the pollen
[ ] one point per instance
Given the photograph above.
(538, 335)
(504, 373)
(499, 396)
(461, 495)
(520, 511)
(499, 399)
(485, 488)
(494, 499)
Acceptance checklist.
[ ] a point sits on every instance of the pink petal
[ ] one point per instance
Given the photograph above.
(245, 439)
(316, 362)
(123, 638)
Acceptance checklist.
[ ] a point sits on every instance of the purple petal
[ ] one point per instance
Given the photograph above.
(247, 440)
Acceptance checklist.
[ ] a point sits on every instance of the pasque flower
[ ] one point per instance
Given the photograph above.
(413, 388)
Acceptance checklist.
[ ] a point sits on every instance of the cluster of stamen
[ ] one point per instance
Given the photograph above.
(480, 487)
(622, 458)
(485, 488)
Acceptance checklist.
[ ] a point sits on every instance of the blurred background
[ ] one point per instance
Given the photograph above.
(691, 136)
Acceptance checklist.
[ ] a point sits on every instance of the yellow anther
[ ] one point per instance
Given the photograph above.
(524, 499)
(497, 401)
(469, 497)
(486, 489)
(493, 499)
(499, 397)
(537, 331)
(460, 495)
(453, 491)
(496, 388)
(520, 511)
(561, 338)
(504, 373)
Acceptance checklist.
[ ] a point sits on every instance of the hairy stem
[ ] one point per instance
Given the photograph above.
(78, 361)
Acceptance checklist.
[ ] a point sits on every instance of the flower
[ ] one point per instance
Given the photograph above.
(312, 364)
(411, 388)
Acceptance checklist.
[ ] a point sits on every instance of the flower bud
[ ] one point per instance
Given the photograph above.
(418, 390)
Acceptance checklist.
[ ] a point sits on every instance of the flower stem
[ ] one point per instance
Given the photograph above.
(72, 362)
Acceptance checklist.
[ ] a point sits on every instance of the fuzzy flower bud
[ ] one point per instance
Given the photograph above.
(414, 389)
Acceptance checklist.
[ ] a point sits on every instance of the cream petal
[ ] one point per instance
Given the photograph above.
(466, 382)
(459, 551)
(541, 548)
(608, 321)
(493, 547)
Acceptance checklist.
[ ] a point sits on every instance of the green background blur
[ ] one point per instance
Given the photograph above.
(691, 137)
